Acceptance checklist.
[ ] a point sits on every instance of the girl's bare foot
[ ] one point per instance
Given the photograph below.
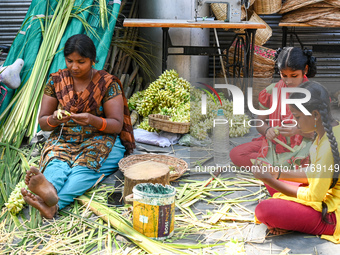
(33, 200)
(38, 184)
(277, 231)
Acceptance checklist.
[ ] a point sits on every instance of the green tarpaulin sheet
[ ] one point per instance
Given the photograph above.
(27, 43)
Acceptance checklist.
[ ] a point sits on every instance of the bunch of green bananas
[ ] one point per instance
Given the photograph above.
(169, 91)
(135, 99)
(16, 200)
(181, 113)
(145, 125)
(201, 124)
(173, 96)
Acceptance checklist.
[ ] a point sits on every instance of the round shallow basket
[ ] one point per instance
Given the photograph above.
(162, 122)
(267, 7)
(177, 166)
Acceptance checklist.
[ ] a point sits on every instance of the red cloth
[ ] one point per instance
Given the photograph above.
(272, 191)
(266, 100)
(289, 215)
(242, 154)
(258, 147)
(284, 214)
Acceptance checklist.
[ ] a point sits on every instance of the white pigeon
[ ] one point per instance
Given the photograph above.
(10, 75)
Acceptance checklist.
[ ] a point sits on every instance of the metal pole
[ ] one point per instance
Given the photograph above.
(221, 59)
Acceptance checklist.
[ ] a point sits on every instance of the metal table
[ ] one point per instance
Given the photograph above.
(245, 39)
(289, 28)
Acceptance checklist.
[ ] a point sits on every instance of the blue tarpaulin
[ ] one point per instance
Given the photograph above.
(27, 43)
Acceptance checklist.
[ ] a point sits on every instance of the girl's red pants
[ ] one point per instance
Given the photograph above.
(289, 215)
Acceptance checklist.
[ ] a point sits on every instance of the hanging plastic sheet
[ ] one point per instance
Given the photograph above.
(27, 43)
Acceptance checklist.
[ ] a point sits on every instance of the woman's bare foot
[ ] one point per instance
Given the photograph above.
(38, 184)
(277, 231)
(33, 200)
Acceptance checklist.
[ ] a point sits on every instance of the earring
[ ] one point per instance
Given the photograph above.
(315, 122)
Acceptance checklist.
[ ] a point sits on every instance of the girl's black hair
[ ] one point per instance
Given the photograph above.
(82, 44)
(296, 59)
(320, 101)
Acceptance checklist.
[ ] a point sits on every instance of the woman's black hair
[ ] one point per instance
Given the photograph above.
(82, 44)
(296, 59)
(320, 101)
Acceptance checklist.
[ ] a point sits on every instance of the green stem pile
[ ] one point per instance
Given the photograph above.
(13, 165)
(23, 115)
(94, 228)
(214, 191)
(122, 225)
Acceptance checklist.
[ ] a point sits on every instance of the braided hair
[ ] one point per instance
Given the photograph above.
(320, 101)
(296, 59)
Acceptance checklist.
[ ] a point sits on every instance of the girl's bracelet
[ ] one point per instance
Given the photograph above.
(265, 132)
(278, 177)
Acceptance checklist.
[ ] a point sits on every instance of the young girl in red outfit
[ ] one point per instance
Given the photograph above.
(294, 65)
(312, 204)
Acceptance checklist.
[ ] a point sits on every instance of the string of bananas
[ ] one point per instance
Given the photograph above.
(202, 124)
(173, 96)
(16, 200)
(168, 95)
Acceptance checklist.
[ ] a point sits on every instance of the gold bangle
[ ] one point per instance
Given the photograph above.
(103, 125)
(48, 123)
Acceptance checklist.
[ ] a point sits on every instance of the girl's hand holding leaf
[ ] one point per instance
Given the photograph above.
(288, 131)
(270, 133)
(262, 173)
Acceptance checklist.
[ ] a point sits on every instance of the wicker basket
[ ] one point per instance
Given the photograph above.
(321, 5)
(177, 166)
(267, 7)
(306, 14)
(335, 3)
(324, 22)
(263, 61)
(262, 34)
(220, 11)
(291, 5)
(162, 122)
(264, 55)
